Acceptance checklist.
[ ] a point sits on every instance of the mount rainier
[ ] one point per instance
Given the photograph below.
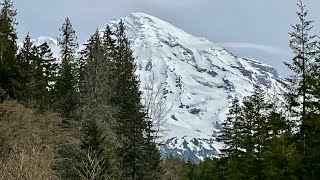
(200, 80)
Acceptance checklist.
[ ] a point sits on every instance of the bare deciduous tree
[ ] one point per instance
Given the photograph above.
(155, 103)
(90, 167)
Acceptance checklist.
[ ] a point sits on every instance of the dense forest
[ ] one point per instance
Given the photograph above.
(83, 118)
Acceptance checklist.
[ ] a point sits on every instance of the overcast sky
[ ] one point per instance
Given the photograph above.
(249, 28)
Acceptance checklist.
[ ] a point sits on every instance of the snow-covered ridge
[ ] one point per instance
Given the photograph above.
(200, 80)
(44, 39)
(51, 42)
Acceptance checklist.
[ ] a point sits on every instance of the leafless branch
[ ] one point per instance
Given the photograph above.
(156, 105)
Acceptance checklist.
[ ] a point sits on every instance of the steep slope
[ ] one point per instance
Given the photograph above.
(200, 80)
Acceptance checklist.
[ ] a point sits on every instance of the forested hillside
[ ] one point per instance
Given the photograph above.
(81, 115)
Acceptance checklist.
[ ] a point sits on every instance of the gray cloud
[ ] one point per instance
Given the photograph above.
(259, 47)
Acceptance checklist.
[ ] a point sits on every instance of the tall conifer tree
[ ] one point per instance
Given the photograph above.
(302, 97)
(96, 111)
(27, 56)
(232, 136)
(254, 133)
(131, 118)
(47, 76)
(67, 84)
(302, 45)
(11, 81)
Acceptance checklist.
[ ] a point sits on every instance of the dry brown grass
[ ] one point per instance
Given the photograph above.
(28, 164)
(29, 141)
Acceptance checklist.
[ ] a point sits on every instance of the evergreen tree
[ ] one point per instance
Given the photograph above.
(258, 141)
(281, 160)
(312, 120)
(67, 84)
(131, 118)
(45, 78)
(96, 111)
(91, 93)
(8, 34)
(302, 98)
(109, 52)
(254, 132)
(190, 171)
(230, 132)
(39, 73)
(151, 155)
(231, 135)
(108, 43)
(91, 139)
(11, 80)
(213, 169)
(302, 44)
(27, 56)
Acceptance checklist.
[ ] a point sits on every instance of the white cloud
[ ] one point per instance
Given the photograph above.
(260, 47)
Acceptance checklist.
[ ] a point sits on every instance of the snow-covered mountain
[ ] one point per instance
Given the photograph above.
(200, 80)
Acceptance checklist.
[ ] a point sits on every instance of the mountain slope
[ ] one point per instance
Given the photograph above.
(200, 79)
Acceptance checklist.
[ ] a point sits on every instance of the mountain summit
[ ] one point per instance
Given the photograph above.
(199, 79)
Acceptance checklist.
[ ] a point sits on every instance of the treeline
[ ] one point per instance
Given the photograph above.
(95, 91)
(274, 136)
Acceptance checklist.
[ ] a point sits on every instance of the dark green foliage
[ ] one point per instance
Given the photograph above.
(232, 135)
(70, 158)
(11, 80)
(27, 56)
(93, 150)
(252, 137)
(303, 46)
(231, 131)
(190, 171)
(313, 120)
(39, 73)
(152, 157)
(44, 68)
(152, 161)
(98, 112)
(67, 83)
(45, 77)
(94, 110)
(305, 92)
(209, 169)
(311, 157)
(68, 43)
(259, 142)
(130, 117)
(281, 158)
(213, 169)
(138, 155)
